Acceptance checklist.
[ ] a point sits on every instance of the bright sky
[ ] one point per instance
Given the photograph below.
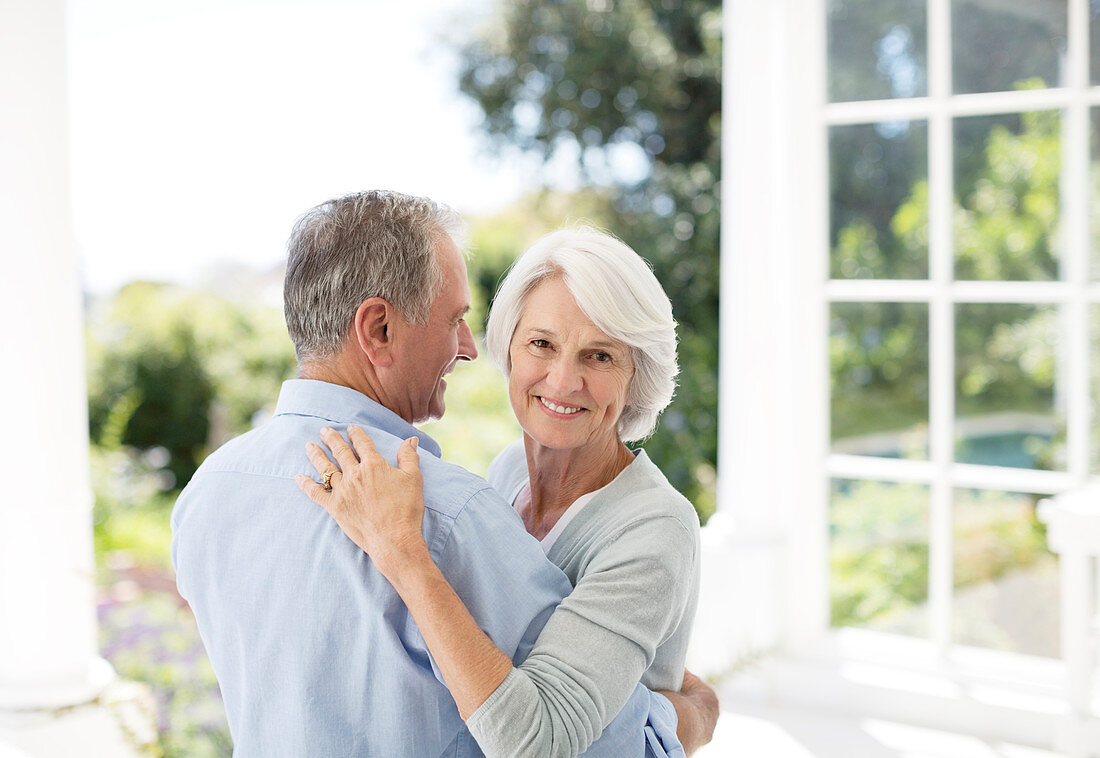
(200, 129)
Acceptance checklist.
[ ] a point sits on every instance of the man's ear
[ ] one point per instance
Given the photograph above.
(372, 328)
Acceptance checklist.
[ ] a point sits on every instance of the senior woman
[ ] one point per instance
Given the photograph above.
(584, 335)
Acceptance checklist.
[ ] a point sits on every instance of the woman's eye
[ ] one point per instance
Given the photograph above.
(601, 357)
(540, 343)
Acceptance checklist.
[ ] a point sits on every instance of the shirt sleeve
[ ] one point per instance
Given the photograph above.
(501, 575)
(590, 656)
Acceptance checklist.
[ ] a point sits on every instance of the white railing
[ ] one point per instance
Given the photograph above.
(1073, 521)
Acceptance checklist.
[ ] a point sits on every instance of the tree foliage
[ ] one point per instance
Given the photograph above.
(621, 86)
(1005, 227)
(181, 371)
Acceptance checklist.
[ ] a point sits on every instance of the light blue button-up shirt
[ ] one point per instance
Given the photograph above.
(315, 652)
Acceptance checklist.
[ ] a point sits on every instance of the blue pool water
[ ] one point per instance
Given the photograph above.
(1013, 449)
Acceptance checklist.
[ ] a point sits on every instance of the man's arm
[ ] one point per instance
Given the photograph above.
(696, 707)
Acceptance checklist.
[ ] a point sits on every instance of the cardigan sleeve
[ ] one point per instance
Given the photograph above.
(594, 649)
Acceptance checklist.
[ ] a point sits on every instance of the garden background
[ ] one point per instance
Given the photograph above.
(174, 371)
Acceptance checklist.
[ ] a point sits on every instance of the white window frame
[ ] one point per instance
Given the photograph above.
(775, 464)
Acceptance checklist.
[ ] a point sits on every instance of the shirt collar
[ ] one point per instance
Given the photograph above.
(344, 406)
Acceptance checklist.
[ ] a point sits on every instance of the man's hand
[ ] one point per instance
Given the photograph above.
(696, 707)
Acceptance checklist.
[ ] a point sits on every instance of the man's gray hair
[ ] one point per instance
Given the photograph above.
(617, 290)
(355, 247)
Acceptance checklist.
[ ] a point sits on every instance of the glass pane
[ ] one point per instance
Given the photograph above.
(1094, 186)
(1094, 36)
(1006, 580)
(879, 200)
(877, 50)
(878, 556)
(879, 366)
(999, 46)
(1006, 369)
(1094, 366)
(1007, 196)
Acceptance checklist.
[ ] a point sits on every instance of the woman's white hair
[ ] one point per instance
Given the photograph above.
(617, 290)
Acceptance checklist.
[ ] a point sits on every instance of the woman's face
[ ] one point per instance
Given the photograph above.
(569, 380)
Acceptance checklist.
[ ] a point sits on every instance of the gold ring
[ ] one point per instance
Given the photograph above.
(326, 479)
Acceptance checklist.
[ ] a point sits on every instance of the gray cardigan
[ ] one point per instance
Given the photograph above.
(632, 555)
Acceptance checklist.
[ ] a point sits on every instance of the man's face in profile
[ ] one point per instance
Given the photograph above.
(426, 354)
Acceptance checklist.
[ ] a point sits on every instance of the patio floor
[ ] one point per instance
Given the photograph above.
(748, 727)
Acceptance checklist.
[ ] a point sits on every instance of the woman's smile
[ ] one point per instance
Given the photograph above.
(559, 408)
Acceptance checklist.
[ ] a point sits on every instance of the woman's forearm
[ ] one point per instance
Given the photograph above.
(388, 529)
(559, 701)
(471, 665)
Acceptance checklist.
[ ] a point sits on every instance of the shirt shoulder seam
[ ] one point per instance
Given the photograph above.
(461, 510)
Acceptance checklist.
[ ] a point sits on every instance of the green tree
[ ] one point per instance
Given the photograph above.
(180, 370)
(146, 375)
(879, 50)
(497, 239)
(1005, 228)
(629, 83)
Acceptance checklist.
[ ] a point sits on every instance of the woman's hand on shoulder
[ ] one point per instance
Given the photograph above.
(379, 507)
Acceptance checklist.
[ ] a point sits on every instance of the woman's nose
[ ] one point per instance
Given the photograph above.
(564, 377)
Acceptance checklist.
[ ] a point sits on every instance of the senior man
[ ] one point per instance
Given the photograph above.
(314, 651)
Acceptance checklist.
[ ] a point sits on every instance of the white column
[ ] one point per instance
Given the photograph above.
(773, 406)
(47, 604)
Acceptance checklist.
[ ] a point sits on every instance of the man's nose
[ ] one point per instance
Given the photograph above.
(467, 348)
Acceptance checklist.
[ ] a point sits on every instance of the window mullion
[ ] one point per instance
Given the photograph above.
(974, 291)
(972, 104)
(942, 320)
(963, 475)
(1075, 250)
